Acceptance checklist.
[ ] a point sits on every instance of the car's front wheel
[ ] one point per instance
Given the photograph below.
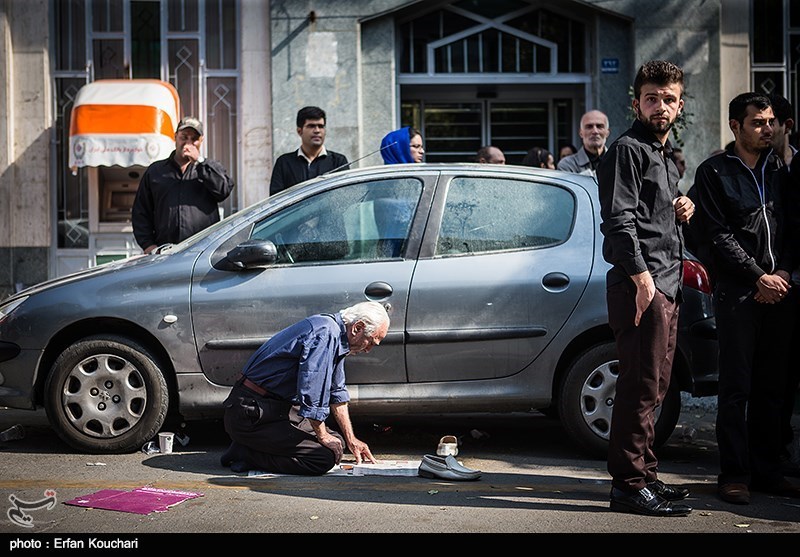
(105, 394)
(586, 401)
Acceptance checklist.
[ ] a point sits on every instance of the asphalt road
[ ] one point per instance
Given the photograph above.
(534, 482)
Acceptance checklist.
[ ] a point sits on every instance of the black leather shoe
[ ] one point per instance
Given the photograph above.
(668, 492)
(645, 502)
(239, 467)
(782, 487)
(789, 467)
(235, 453)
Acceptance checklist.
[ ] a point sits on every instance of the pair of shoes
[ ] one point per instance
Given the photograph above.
(446, 468)
(782, 487)
(646, 502)
(736, 493)
(448, 445)
(668, 492)
(14, 433)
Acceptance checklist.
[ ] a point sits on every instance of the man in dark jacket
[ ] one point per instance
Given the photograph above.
(741, 196)
(311, 159)
(179, 196)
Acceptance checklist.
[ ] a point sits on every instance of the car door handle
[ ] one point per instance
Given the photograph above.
(557, 281)
(379, 289)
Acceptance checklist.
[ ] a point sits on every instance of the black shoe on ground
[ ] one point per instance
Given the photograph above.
(646, 502)
(789, 467)
(781, 486)
(668, 492)
(235, 453)
(239, 467)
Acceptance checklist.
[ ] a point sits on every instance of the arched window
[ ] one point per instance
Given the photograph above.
(503, 72)
(492, 37)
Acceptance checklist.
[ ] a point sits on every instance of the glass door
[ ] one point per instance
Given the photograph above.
(454, 131)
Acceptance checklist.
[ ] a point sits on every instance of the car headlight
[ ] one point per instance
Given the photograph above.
(7, 308)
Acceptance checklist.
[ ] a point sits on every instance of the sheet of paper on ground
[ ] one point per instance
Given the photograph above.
(142, 500)
(381, 468)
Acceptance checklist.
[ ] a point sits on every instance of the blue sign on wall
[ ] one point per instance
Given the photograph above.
(609, 65)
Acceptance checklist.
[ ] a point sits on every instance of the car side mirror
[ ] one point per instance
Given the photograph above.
(252, 254)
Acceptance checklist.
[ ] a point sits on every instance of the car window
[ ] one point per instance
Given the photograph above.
(483, 215)
(356, 222)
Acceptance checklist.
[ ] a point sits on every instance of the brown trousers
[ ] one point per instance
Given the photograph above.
(645, 366)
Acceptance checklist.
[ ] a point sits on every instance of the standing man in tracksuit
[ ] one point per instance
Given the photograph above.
(742, 203)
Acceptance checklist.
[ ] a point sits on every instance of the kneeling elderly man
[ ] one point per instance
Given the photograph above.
(276, 412)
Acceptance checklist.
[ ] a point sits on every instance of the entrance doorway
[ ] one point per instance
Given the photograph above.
(456, 122)
(511, 74)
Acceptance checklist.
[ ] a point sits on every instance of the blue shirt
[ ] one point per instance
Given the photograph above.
(304, 363)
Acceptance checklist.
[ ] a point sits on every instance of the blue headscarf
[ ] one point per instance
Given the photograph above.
(396, 148)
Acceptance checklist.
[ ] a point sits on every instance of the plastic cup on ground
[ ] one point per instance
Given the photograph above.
(165, 442)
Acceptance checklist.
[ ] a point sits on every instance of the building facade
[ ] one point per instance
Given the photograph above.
(513, 73)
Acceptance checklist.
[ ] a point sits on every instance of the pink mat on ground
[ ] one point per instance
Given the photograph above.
(142, 500)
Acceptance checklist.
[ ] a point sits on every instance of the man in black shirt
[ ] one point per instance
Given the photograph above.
(642, 210)
(311, 159)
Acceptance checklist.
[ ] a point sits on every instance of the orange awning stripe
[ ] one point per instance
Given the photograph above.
(123, 119)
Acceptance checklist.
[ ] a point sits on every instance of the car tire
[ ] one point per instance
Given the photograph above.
(106, 394)
(586, 401)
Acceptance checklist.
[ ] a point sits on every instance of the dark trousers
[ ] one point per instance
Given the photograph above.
(645, 366)
(753, 353)
(272, 437)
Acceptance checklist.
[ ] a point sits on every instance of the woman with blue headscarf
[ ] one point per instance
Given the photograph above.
(402, 146)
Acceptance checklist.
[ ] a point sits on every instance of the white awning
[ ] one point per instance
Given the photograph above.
(123, 122)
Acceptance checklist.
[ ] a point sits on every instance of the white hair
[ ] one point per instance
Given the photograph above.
(372, 314)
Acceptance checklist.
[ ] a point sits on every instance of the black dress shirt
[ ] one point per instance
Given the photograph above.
(637, 182)
(293, 168)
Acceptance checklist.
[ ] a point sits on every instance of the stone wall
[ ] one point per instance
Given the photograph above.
(25, 131)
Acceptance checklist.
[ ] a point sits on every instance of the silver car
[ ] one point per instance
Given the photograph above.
(493, 275)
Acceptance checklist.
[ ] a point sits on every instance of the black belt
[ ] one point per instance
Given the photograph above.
(258, 389)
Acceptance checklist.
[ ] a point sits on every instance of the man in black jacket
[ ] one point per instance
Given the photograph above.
(311, 159)
(179, 196)
(742, 200)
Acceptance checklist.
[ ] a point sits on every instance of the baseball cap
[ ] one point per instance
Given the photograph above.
(191, 122)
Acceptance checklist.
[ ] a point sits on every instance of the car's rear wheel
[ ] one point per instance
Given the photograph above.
(105, 394)
(587, 395)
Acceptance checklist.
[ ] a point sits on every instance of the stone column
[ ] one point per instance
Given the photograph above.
(256, 103)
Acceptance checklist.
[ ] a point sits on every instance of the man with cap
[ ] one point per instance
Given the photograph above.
(179, 196)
